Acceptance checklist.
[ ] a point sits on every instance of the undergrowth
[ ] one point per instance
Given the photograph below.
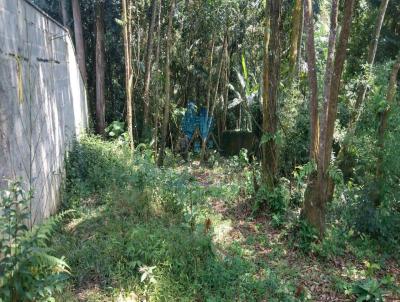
(29, 271)
(187, 233)
(141, 231)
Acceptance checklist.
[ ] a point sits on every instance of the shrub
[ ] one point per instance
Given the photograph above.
(276, 200)
(28, 271)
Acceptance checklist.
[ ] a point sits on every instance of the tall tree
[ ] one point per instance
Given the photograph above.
(312, 79)
(64, 13)
(362, 89)
(80, 46)
(128, 71)
(383, 121)
(271, 77)
(210, 111)
(295, 36)
(210, 73)
(226, 85)
(148, 69)
(329, 66)
(265, 90)
(317, 192)
(167, 86)
(158, 74)
(373, 46)
(100, 68)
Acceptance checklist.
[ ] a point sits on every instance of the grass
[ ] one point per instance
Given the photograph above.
(188, 233)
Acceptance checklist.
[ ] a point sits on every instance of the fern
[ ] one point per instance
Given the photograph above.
(28, 270)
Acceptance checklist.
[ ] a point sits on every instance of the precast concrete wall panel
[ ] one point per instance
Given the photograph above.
(43, 105)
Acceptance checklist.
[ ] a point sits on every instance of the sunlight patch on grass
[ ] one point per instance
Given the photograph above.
(222, 231)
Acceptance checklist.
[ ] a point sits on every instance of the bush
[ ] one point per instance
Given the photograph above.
(276, 201)
(28, 271)
(304, 236)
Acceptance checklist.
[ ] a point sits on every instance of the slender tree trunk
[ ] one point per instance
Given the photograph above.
(147, 74)
(208, 97)
(312, 79)
(210, 113)
(128, 72)
(209, 85)
(300, 41)
(64, 13)
(317, 192)
(384, 117)
(134, 76)
(265, 90)
(80, 46)
(327, 88)
(167, 87)
(372, 50)
(100, 68)
(226, 87)
(328, 71)
(271, 78)
(295, 36)
(362, 89)
(157, 88)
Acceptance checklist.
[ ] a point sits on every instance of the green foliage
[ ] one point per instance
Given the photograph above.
(29, 271)
(368, 290)
(276, 200)
(304, 236)
(301, 173)
(357, 187)
(115, 129)
(145, 232)
(356, 211)
(92, 167)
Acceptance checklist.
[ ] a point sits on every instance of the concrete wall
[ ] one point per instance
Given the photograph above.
(43, 104)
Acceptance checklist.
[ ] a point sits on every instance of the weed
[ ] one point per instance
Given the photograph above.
(29, 271)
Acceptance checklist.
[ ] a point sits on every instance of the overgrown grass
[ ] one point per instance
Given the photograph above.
(139, 230)
(187, 233)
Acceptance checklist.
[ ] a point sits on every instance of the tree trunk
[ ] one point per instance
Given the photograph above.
(100, 68)
(328, 71)
(64, 13)
(128, 72)
(372, 51)
(300, 41)
(157, 88)
(295, 37)
(362, 89)
(327, 86)
(80, 46)
(312, 79)
(209, 85)
(265, 90)
(210, 113)
(147, 74)
(226, 87)
(167, 87)
(317, 192)
(384, 116)
(271, 77)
